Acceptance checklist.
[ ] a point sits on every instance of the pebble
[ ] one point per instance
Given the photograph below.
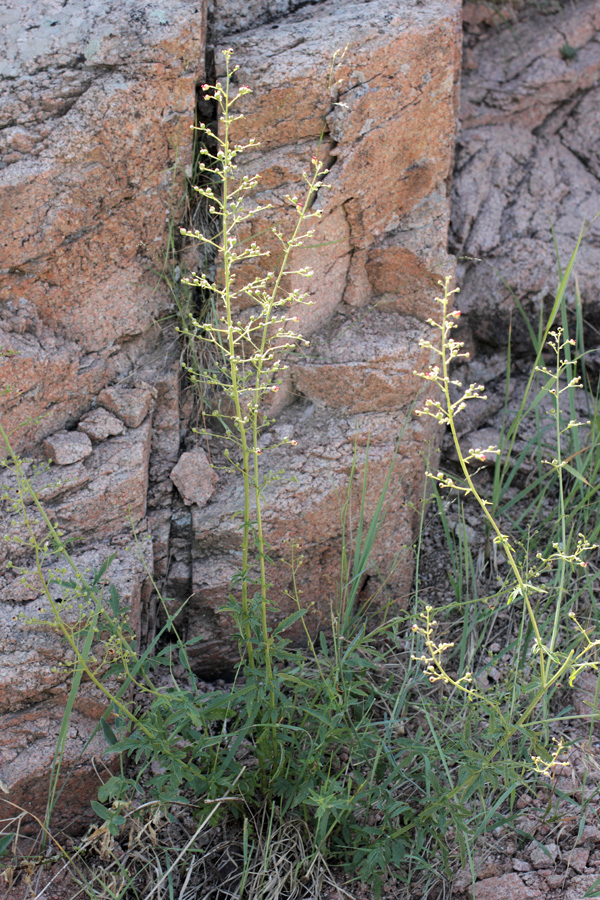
(194, 477)
(544, 855)
(521, 865)
(578, 859)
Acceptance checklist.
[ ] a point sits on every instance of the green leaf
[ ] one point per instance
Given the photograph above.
(195, 640)
(289, 621)
(114, 826)
(572, 471)
(116, 786)
(109, 735)
(113, 600)
(323, 643)
(100, 572)
(5, 842)
(101, 811)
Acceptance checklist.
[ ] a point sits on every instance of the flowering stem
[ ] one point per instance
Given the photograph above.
(250, 353)
(233, 361)
(445, 412)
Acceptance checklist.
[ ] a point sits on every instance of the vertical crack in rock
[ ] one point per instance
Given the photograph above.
(193, 306)
(377, 253)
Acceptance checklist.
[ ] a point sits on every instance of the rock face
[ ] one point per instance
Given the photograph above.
(528, 162)
(97, 100)
(386, 131)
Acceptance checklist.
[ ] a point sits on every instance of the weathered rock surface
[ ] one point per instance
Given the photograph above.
(97, 100)
(302, 518)
(91, 501)
(28, 745)
(31, 662)
(227, 17)
(582, 886)
(35, 677)
(387, 131)
(527, 162)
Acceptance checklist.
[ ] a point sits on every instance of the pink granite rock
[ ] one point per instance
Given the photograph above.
(507, 887)
(67, 447)
(99, 425)
(194, 477)
(132, 405)
(96, 103)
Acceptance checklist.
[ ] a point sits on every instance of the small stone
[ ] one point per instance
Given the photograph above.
(470, 63)
(578, 859)
(553, 879)
(99, 425)
(543, 855)
(132, 405)
(67, 447)
(464, 531)
(591, 833)
(194, 477)
(583, 886)
(490, 869)
(506, 887)
(521, 865)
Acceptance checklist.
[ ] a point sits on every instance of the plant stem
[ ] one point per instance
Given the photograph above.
(228, 243)
(446, 356)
